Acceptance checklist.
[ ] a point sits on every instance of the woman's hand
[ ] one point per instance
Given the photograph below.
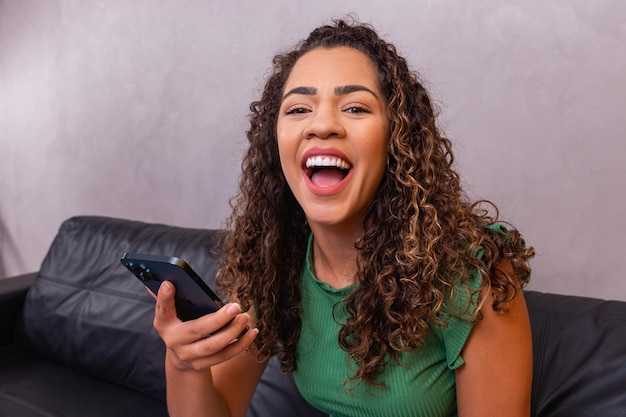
(208, 371)
(205, 342)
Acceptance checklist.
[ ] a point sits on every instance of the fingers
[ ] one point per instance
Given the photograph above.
(219, 322)
(214, 349)
(211, 350)
(223, 326)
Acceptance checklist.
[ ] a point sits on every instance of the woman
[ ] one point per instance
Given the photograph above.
(355, 255)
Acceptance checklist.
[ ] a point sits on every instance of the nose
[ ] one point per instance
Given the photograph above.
(324, 123)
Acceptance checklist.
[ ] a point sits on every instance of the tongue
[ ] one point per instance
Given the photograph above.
(327, 177)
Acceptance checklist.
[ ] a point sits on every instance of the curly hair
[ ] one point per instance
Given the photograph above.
(421, 230)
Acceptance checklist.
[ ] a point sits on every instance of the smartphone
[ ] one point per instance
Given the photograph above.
(193, 296)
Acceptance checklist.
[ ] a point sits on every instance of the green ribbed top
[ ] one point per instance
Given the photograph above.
(424, 385)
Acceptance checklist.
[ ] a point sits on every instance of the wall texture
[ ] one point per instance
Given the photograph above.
(137, 110)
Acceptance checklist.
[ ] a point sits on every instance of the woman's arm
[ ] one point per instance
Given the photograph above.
(207, 376)
(496, 377)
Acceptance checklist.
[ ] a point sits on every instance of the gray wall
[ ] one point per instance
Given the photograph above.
(137, 109)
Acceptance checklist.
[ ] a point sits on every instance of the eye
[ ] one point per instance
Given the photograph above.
(297, 110)
(356, 109)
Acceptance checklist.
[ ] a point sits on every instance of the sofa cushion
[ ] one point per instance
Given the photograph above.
(86, 311)
(31, 386)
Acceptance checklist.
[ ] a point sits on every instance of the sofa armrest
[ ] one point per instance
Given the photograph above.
(579, 357)
(12, 294)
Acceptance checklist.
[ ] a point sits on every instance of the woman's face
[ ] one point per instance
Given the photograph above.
(332, 134)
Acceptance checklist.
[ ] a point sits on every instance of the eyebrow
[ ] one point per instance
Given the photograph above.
(339, 91)
(307, 91)
(347, 89)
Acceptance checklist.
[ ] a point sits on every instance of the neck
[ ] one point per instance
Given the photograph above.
(334, 256)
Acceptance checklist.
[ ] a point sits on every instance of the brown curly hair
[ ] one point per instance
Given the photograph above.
(421, 231)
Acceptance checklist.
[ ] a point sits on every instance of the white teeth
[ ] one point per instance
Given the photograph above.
(326, 161)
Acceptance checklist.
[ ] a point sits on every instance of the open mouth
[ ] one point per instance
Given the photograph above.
(326, 171)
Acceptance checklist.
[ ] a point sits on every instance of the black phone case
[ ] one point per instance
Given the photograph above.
(193, 296)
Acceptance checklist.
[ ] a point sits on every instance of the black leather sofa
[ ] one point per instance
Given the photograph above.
(76, 338)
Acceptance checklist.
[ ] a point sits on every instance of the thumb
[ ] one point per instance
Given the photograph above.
(165, 309)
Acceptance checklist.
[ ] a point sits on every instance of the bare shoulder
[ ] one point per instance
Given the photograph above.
(496, 377)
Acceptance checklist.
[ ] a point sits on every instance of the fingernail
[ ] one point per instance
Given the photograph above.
(166, 287)
(233, 309)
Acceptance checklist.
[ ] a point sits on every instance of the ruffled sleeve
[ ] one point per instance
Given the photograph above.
(460, 316)
(459, 313)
